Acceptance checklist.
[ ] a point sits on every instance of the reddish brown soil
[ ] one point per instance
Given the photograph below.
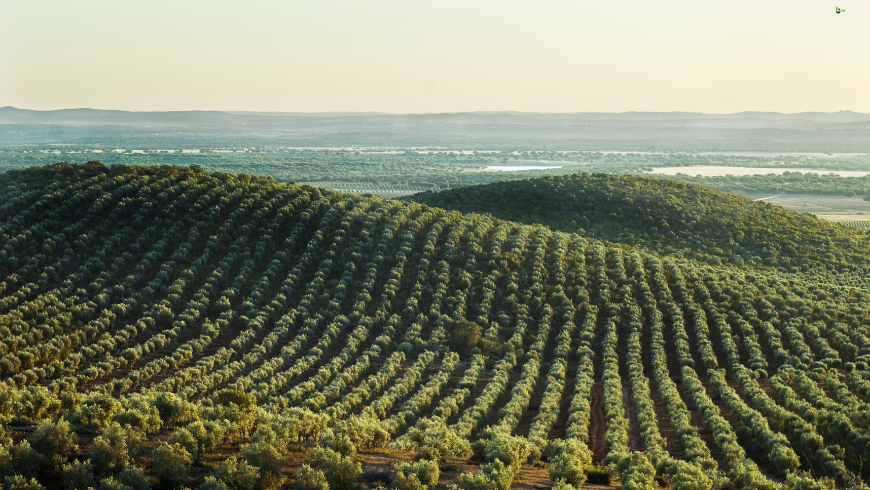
(758, 456)
(469, 400)
(560, 428)
(502, 401)
(597, 426)
(428, 373)
(400, 373)
(533, 409)
(697, 420)
(448, 389)
(667, 431)
(635, 442)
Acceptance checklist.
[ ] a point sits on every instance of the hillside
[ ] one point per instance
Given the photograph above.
(163, 327)
(669, 217)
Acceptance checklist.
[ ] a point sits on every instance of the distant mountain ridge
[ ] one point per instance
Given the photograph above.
(844, 131)
(8, 113)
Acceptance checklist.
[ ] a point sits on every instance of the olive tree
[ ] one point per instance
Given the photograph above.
(78, 475)
(112, 449)
(637, 472)
(170, 463)
(53, 441)
(569, 461)
(342, 472)
(417, 475)
(309, 478)
(19, 482)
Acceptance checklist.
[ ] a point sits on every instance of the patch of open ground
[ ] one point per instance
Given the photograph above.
(833, 208)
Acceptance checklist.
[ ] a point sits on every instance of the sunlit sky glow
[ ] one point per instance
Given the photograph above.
(436, 56)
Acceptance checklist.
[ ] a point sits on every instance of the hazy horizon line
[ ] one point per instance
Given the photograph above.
(483, 112)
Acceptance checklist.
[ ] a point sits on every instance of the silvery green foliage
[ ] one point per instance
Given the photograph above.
(637, 472)
(569, 461)
(342, 471)
(416, 475)
(170, 462)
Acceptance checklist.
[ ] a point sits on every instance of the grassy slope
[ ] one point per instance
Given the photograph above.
(665, 215)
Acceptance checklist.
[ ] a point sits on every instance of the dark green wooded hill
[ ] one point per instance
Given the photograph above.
(667, 216)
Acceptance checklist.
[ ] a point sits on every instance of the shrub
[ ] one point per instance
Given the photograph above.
(341, 471)
(309, 478)
(492, 476)
(363, 432)
(186, 440)
(110, 483)
(436, 441)
(95, 411)
(36, 402)
(212, 483)
(77, 475)
(53, 440)
(8, 401)
(170, 462)
(417, 475)
(173, 410)
(239, 398)
(562, 485)
(686, 476)
(805, 481)
(265, 455)
(598, 475)
(238, 475)
(19, 482)
(26, 460)
(505, 455)
(637, 472)
(510, 450)
(140, 413)
(113, 447)
(570, 461)
(5, 437)
(135, 478)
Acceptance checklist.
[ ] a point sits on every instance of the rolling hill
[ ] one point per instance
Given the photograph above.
(669, 217)
(161, 326)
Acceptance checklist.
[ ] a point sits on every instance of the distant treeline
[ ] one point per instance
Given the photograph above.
(415, 170)
(787, 183)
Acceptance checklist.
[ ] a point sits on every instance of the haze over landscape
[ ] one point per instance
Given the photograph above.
(392, 56)
(434, 246)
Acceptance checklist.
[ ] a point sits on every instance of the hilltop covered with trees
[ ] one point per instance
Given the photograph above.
(819, 183)
(669, 217)
(163, 327)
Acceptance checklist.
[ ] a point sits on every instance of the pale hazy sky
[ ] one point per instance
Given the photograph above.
(436, 56)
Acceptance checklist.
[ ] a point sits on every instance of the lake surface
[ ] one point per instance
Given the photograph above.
(517, 168)
(716, 171)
